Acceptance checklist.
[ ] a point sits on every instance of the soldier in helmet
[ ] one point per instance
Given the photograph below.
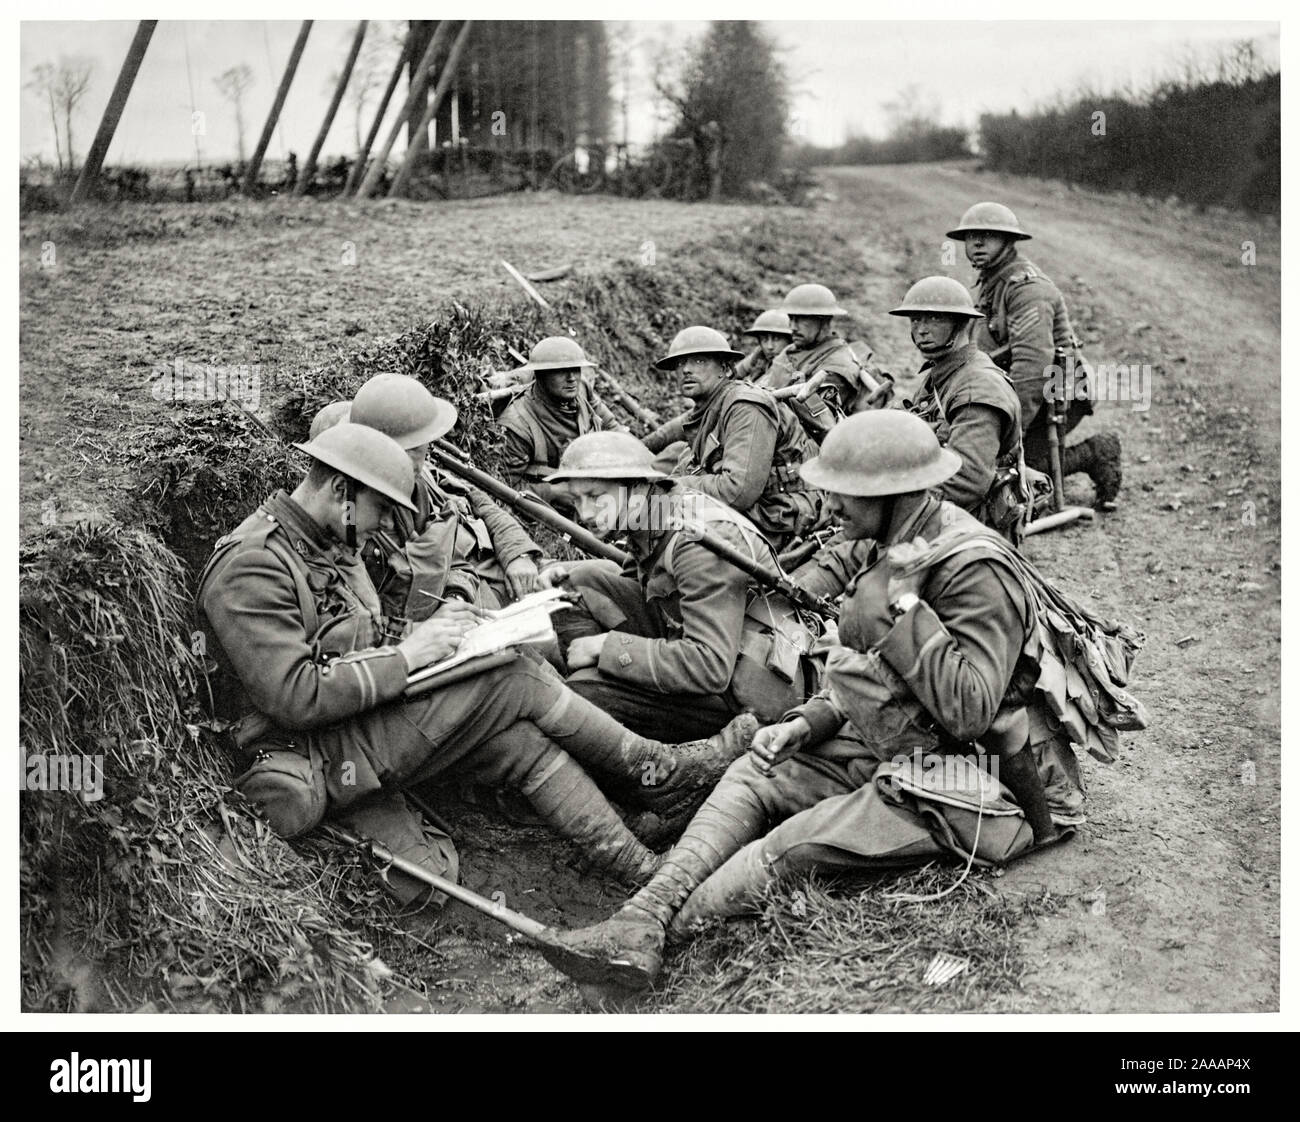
(299, 635)
(771, 330)
(680, 643)
(933, 664)
(1026, 329)
(557, 408)
(969, 403)
(818, 373)
(457, 542)
(745, 447)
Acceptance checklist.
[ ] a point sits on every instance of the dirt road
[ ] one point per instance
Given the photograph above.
(1174, 883)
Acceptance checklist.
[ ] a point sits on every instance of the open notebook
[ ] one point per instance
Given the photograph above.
(525, 621)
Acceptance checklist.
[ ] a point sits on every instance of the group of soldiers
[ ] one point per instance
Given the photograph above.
(685, 704)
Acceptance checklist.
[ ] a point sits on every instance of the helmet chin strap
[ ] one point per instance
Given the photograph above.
(935, 350)
(1005, 254)
(350, 514)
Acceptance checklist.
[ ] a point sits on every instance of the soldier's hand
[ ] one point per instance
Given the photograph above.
(776, 743)
(437, 637)
(522, 576)
(585, 651)
(900, 556)
(553, 576)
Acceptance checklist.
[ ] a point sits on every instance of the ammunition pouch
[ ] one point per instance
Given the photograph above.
(773, 672)
(816, 414)
(784, 479)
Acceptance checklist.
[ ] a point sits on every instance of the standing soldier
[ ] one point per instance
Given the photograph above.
(680, 644)
(772, 332)
(1026, 329)
(970, 405)
(552, 412)
(818, 373)
(320, 695)
(940, 665)
(745, 447)
(457, 541)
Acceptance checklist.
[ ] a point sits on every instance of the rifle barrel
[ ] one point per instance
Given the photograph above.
(534, 508)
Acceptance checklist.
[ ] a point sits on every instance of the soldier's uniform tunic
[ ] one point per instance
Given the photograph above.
(538, 428)
(931, 681)
(745, 451)
(458, 542)
(690, 637)
(974, 412)
(1025, 321)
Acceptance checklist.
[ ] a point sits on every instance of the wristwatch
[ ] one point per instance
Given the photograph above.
(904, 604)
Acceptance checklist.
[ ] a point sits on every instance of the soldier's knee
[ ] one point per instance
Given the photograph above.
(287, 789)
(521, 757)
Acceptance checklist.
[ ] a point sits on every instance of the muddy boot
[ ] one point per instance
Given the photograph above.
(731, 891)
(1019, 774)
(596, 740)
(626, 951)
(572, 805)
(1100, 457)
(386, 818)
(675, 793)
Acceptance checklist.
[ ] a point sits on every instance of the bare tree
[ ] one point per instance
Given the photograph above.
(374, 64)
(64, 85)
(43, 81)
(232, 85)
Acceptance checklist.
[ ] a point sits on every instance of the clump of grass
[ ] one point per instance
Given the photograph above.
(207, 470)
(156, 894)
(814, 949)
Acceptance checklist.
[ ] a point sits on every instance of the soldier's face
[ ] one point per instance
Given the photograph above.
(772, 345)
(932, 331)
(982, 246)
(372, 513)
(598, 503)
(858, 517)
(807, 330)
(562, 384)
(700, 375)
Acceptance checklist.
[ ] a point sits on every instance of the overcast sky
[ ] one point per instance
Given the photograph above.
(843, 73)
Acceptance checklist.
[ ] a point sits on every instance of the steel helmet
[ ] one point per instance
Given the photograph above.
(774, 322)
(367, 456)
(606, 455)
(989, 216)
(698, 341)
(557, 352)
(334, 413)
(880, 452)
(938, 294)
(811, 300)
(399, 406)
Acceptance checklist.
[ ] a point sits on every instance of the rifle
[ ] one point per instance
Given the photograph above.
(585, 540)
(778, 581)
(1060, 515)
(447, 456)
(646, 416)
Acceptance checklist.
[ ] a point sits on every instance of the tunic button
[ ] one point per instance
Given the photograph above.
(625, 659)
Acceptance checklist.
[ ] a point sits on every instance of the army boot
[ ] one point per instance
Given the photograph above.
(625, 952)
(1101, 458)
(637, 763)
(1019, 774)
(567, 799)
(731, 891)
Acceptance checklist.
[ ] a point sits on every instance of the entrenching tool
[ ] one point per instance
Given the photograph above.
(1061, 515)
